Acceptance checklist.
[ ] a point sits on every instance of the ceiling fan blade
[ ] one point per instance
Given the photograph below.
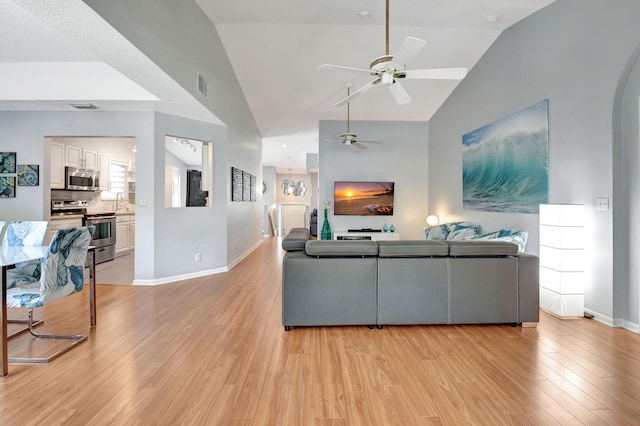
(341, 68)
(398, 92)
(361, 141)
(358, 92)
(435, 74)
(357, 145)
(407, 50)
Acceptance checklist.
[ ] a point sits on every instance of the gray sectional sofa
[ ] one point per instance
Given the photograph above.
(378, 283)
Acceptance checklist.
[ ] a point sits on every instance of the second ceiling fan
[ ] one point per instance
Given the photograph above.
(348, 138)
(388, 69)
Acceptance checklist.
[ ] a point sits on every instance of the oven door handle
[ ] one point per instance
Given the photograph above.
(101, 219)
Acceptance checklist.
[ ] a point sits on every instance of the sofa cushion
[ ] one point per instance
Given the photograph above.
(481, 248)
(341, 248)
(416, 248)
(295, 239)
(451, 231)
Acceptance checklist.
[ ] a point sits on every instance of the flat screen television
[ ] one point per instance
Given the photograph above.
(363, 198)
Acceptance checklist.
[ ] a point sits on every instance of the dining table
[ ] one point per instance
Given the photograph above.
(10, 256)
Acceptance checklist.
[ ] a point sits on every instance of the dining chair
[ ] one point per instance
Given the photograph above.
(62, 275)
(24, 233)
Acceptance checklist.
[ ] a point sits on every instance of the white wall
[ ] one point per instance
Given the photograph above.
(574, 53)
(401, 158)
(166, 239)
(150, 26)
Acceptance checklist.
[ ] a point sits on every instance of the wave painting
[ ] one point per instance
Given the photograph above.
(505, 164)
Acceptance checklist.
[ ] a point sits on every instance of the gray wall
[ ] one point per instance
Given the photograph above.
(166, 239)
(401, 158)
(196, 48)
(576, 54)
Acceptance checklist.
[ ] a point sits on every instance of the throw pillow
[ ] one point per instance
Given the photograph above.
(462, 230)
(451, 231)
(492, 235)
(518, 237)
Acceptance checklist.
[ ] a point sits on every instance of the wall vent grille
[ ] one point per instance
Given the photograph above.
(84, 106)
(202, 85)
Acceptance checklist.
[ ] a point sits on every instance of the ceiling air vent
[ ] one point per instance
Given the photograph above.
(84, 106)
(202, 85)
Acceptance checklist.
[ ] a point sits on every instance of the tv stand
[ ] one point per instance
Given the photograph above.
(375, 236)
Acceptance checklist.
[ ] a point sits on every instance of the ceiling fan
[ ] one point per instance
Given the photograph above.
(388, 69)
(348, 138)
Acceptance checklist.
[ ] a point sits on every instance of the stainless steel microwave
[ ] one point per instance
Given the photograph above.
(81, 179)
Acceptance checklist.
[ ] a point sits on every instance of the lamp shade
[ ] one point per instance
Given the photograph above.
(562, 260)
(432, 220)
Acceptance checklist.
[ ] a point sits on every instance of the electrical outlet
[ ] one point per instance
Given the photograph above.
(602, 204)
(143, 203)
(198, 257)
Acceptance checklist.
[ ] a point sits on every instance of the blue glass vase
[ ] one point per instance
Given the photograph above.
(392, 228)
(385, 227)
(325, 233)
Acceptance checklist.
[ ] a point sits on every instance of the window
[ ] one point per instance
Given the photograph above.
(117, 181)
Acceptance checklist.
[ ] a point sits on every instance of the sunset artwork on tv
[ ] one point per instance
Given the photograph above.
(363, 198)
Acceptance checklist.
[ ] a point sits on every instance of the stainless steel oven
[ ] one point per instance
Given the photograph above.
(104, 236)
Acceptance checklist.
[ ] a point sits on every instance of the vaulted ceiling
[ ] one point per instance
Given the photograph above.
(275, 48)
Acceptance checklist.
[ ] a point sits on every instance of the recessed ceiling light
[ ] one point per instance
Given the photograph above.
(491, 19)
(364, 14)
(285, 146)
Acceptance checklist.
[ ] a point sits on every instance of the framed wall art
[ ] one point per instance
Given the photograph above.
(236, 184)
(28, 175)
(505, 164)
(7, 162)
(7, 187)
(246, 186)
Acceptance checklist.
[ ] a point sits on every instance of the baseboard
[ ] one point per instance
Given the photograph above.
(174, 278)
(617, 323)
(247, 253)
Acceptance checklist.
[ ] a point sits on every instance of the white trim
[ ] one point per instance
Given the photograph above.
(174, 278)
(616, 323)
(247, 253)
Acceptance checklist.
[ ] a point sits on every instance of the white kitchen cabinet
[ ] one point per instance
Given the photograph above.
(105, 165)
(132, 233)
(57, 165)
(81, 158)
(125, 233)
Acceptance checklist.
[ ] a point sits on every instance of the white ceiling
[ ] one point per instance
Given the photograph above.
(275, 48)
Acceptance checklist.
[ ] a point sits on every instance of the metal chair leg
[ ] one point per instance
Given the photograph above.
(76, 338)
(36, 323)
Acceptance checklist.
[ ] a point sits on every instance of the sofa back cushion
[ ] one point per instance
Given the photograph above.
(482, 248)
(295, 239)
(417, 248)
(341, 248)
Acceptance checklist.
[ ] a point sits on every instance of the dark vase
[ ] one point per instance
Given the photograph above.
(325, 234)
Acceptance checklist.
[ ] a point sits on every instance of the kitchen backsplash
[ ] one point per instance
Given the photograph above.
(94, 199)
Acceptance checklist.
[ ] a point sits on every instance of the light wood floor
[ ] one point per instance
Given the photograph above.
(212, 351)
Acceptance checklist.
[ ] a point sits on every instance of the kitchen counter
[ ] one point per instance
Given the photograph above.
(66, 216)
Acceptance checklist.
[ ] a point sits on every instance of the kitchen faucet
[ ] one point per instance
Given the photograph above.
(119, 197)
